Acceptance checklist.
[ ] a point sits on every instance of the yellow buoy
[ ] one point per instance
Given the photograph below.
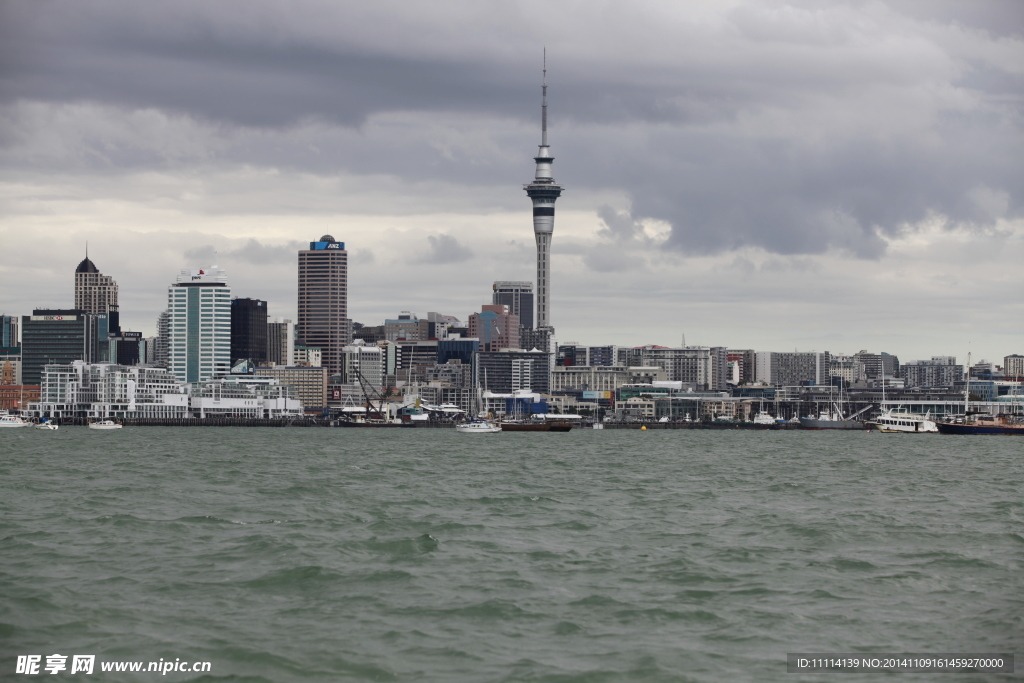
(643, 428)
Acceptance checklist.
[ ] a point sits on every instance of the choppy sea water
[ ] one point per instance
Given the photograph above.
(427, 555)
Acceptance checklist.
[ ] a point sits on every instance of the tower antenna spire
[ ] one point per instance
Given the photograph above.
(543, 192)
(544, 103)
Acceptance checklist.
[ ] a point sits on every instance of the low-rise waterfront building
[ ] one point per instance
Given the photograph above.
(589, 377)
(245, 397)
(108, 390)
(310, 383)
(702, 367)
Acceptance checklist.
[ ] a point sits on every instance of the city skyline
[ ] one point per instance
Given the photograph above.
(756, 176)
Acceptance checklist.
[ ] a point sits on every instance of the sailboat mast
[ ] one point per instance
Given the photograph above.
(967, 387)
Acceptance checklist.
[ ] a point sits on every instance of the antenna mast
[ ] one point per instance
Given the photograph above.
(544, 103)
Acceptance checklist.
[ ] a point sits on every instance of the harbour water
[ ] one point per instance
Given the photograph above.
(427, 555)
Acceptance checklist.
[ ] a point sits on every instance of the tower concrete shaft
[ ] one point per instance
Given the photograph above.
(543, 192)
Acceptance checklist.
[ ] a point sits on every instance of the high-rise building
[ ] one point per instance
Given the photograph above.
(363, 364)
(543, 192)
(518, 296)
(162, 340)
(792, 368)
(61, 336)
(878, 365)
(406, 327)
(699, 366)
(323, 300)
(280, 341)
(96, 293)
(126, 348)
(248, 330)
(744, 359)
(1013, 366)
(513, 370)
(8, 331)
(199, 320)
(495, 327)
(940, 371)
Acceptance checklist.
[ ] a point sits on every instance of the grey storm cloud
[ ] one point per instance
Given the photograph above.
(252, 252)
(787, 126)
(446, 249)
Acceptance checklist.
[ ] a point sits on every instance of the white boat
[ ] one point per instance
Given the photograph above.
(47, 426)
(484, 427)
(763, 418)
(105, 424)
(14, 421)
(899, 420)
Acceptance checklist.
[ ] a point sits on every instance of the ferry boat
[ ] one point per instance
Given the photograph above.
(14, 421)
(483, 427)
(105, 424)
(898, 420)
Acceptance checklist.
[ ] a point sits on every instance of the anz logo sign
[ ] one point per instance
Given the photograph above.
(320, 246)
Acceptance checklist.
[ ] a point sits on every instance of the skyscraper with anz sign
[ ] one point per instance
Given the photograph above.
(323, 300)
(543, 192)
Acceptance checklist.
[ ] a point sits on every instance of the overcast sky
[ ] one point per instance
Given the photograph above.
(771, 175)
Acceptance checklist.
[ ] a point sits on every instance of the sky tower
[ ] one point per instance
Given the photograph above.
(543, 191)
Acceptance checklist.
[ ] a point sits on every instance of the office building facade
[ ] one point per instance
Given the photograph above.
(199, 323)
(495, 327)
(518, 296)
(701, 367)
(310, 383)
(940, 371)
(793, 368)
(363, 363)
(61, 336)
(8, 331)
(96, 293)
(280, 341)
(248, 330)
(507, 371)
(323, 300)
(162, 340)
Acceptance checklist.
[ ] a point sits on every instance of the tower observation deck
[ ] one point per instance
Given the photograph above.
(543, 192)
